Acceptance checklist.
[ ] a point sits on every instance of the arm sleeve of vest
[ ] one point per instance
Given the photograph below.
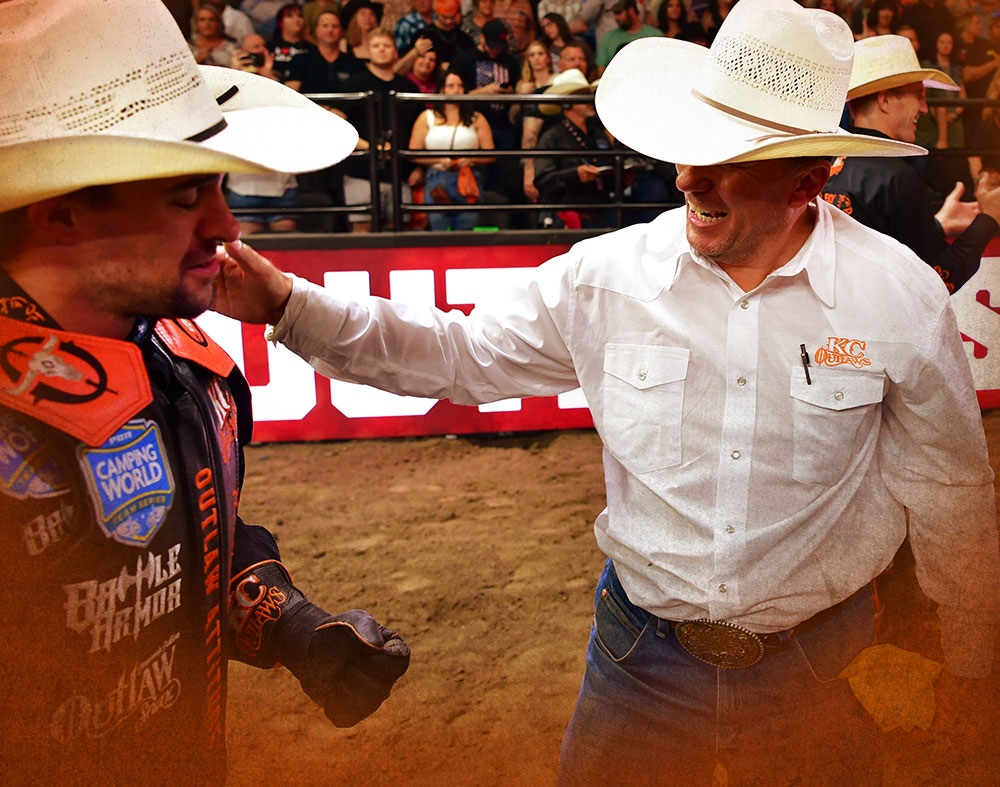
(959, 260)
(346, 663)
(555, 177)
(909, 217)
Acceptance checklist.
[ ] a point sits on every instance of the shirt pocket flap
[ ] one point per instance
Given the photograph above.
(646, 366)
(837, 390)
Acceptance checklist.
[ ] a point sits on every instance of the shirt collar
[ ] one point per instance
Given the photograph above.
(18, 305)
(817, 258)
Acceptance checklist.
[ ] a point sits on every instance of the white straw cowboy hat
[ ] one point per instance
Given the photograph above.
(885, 62)
(565, 82)
(106, 91)
(772, 85)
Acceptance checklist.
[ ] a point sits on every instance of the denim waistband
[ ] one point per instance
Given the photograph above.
(640, 617)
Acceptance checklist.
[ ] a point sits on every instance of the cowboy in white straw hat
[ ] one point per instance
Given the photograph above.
(885, 62)
(132, 580)
(776, 386)
(886, 99)
(566, 83)
(576, 179)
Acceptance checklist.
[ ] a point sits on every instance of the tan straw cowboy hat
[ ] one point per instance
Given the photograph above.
(885, 62)
(565, 82)
(773, 85)
(106, 91)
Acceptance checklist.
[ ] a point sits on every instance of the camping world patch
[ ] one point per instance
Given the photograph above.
(130, 482)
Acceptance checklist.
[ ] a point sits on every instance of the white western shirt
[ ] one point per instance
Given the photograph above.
(736, 489)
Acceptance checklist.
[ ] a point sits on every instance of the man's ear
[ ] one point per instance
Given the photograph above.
(811, 180)
(58, 218)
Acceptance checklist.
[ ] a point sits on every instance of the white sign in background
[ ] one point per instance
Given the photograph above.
(977, 309)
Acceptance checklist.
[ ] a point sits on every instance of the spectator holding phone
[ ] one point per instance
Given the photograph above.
(262, 189)
(490, 69)
(254, 56)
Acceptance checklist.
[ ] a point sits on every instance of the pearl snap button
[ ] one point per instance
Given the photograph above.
(735, 454)
(723, 587)
(839, 395)
(741, 380)
(744, 305)
(642, 375)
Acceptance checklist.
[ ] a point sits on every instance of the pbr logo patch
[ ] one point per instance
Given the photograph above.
(130, 482)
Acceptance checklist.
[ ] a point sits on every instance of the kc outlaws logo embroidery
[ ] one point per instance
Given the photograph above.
(130, 482)
(840, 351)
(256, 601)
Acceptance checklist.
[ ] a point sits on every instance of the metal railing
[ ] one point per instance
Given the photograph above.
(383, 153)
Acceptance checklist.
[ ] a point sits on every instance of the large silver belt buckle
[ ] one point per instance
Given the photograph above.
(719, 643)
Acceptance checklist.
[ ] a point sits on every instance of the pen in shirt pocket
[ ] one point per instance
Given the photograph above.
(805, 363)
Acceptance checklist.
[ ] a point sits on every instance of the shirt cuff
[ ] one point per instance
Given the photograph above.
(296, 300)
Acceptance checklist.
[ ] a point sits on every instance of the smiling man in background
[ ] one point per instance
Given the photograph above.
(886, 98)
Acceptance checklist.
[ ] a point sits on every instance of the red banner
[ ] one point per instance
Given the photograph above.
(293, 402)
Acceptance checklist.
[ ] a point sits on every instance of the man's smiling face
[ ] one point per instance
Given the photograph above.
(736, 211)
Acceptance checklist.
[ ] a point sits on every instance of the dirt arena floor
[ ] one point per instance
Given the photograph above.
(480, 551)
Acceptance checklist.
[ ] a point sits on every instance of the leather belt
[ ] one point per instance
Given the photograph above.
(729, 646)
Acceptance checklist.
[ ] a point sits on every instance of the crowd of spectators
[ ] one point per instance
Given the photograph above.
(498, 47)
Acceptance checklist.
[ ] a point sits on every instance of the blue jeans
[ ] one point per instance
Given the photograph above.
(649, 713)
(448, 180)
(289, 199)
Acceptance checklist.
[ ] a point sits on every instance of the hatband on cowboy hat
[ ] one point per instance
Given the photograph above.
(565, 82)
(772, 85)
(885, 62)
(106, 91)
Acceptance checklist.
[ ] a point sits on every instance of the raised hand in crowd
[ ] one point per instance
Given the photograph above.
(255, 62)
(954, 215)
(988, 193)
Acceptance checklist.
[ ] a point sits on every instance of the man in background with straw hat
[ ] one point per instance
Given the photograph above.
(886, 99)
(129, 578)
(577, 179)
(776, 386)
